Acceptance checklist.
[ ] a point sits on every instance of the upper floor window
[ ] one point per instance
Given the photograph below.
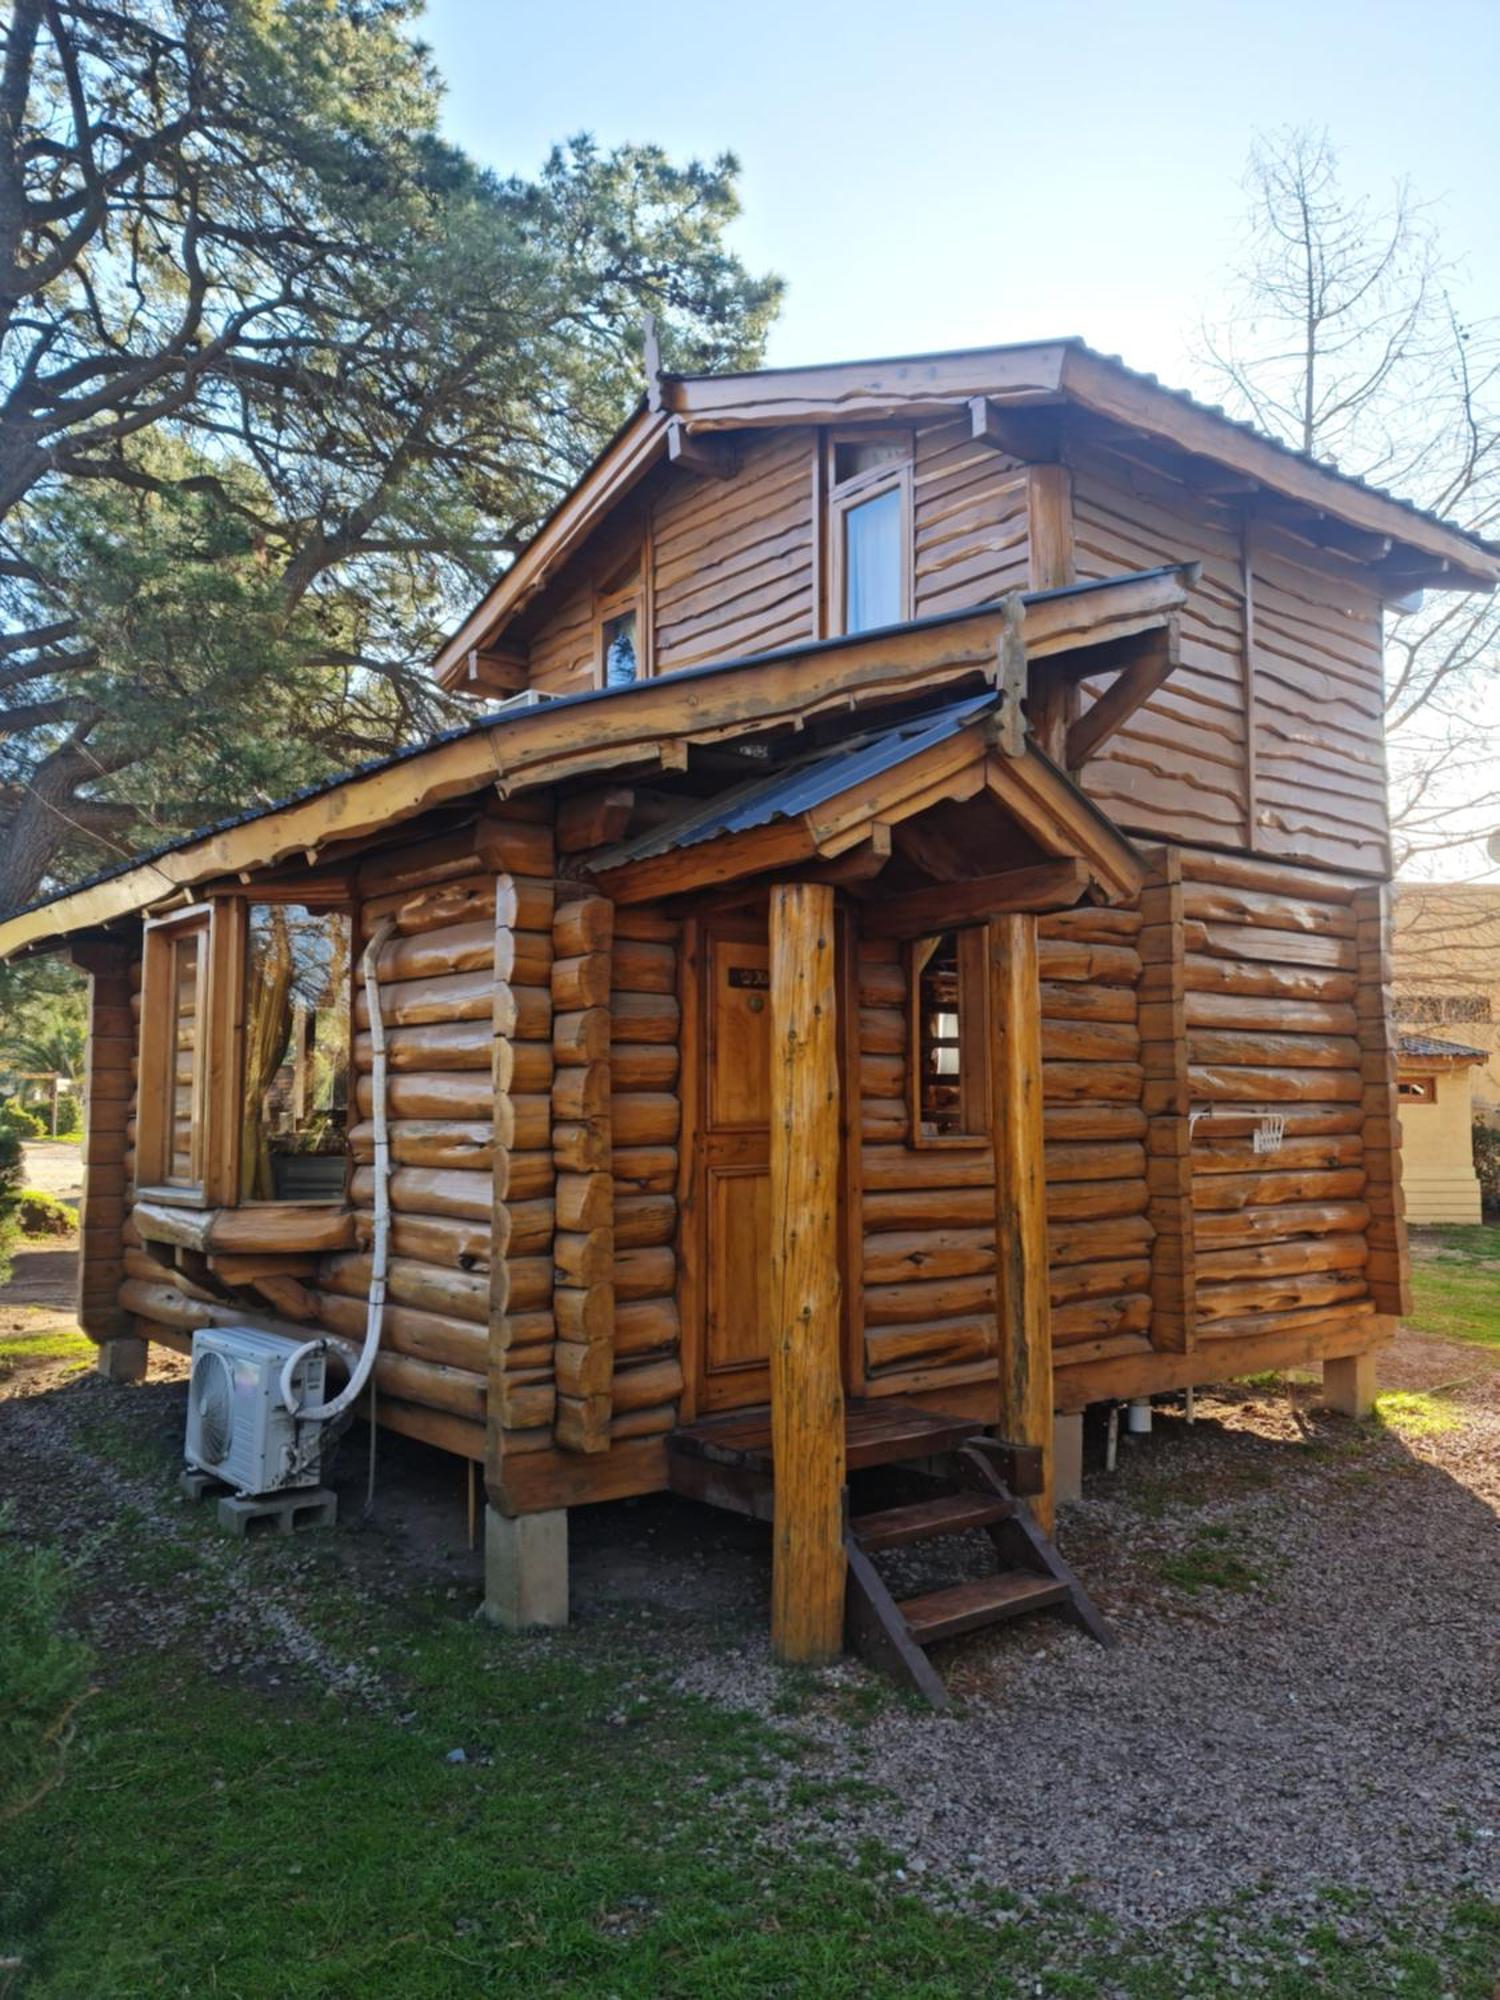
(870, 530)
(949, 1051)
(620, 627)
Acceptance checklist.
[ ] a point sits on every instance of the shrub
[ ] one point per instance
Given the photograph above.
(10, 1193)
(69, 1115)
(43, 1670)
(1487, 1161)
(27, 1123)
(42, 1214)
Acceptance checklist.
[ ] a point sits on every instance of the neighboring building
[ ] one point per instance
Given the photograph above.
(1437, 1129)
(1447, 959)
(1001, 730)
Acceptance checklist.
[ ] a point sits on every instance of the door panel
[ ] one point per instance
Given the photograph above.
(739, 1269)
(739, 1032)
(733, 1156)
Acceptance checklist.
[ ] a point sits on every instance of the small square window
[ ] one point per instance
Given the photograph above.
(949, 1040)
(1417, 1089)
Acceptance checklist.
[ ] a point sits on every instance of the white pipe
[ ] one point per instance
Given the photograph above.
(1138, 1416)
(380, 1247)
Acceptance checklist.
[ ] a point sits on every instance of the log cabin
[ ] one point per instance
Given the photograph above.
(899, 955)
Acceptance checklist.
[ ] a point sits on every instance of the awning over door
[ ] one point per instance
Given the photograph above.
(929, 817)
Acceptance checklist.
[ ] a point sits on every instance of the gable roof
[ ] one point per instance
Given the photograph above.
(1434, 1048)
(1027, 375)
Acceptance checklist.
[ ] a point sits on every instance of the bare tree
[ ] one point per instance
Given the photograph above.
(1342, 338)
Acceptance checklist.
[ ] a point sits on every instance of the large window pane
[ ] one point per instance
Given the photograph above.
(184, 1043)
(296, 1111)
(872, 562)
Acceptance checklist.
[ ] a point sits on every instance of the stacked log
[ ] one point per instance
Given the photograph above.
(522, 1382)
(108, 1109)
(584, 1246)
(1272, 977)
(929, 1213)
(1099, 1229)
(646, 1118)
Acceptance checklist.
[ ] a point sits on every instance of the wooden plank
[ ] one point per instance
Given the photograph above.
(1020, 1195)
(807, 1403)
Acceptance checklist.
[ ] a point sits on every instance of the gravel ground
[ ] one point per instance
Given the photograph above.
(1305, 1693)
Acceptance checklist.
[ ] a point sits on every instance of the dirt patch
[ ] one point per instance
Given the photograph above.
(55, 1167)
(45, 1275)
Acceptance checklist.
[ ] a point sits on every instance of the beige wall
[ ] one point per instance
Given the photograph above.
(1447, 947)
(1437, 1150)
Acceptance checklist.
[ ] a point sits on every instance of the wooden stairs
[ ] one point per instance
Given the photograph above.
(967, 1480)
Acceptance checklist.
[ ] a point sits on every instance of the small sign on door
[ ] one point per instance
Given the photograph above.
(756, 977)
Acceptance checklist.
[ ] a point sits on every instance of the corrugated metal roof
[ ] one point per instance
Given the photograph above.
(809, 781)
(1434, 1045)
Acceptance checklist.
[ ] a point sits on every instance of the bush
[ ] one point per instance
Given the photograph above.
(42, 1214)
(43, 1670)
(1487, 1161)
(69, 1115)
(26, 1123)
(10, 1194)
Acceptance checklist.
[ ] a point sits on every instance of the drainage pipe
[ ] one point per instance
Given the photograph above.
(380, 1249)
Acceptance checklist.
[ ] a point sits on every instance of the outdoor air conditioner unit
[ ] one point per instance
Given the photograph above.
(239, 1429)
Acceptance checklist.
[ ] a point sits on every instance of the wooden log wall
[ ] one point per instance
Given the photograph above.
(969, 520)
(735, 566)
(1277, 706)
(1272, 979)
(109, 1092)
(929, 1216)
(584, 1247)
(645, 1064)
(1100, 1233)
(928, 1237)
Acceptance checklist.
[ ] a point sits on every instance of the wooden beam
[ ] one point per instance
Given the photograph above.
(1010, 723)
(807, 1398)
(494, 669)
(1157, 658)
(1031, 435)
(1022, 1306)
(1054, 885)
(709, 457)
(595, 818)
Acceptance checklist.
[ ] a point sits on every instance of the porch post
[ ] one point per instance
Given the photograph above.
(1020, 1197)
(807, 1397)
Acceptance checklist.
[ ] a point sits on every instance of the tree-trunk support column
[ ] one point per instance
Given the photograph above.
(807, 1397)
(1020, 1197)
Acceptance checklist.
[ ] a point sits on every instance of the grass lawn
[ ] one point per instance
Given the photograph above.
(1455, 1282)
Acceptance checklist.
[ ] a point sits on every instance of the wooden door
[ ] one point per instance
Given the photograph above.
(733, 1166)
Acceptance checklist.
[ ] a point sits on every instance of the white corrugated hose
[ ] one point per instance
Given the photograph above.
(380, 1247)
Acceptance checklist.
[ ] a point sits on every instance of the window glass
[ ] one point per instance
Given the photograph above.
(950, 1063)
(1418, 1089)
(857, 455)
(184, 1043)
(620, 650)
(872, 562)
(296, 1083)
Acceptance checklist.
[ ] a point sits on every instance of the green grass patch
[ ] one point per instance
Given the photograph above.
(1211, 1562)
(1455, 1282)
(57, 1343)
(43, 1675)
(1412, 1413)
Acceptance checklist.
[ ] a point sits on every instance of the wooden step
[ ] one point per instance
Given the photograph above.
(925, 1520)
(964, 1607)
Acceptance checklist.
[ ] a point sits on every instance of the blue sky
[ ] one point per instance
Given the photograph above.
(942, 175)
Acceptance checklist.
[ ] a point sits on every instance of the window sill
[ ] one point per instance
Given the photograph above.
(267, 1226)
